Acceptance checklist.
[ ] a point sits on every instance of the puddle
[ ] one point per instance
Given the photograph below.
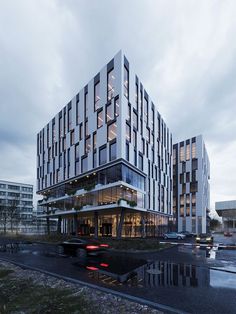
(119, 268)
(222, 279)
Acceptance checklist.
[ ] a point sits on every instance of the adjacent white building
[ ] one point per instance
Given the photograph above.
(18, 198)
(227, 210)
(191, 189)
(104, 162)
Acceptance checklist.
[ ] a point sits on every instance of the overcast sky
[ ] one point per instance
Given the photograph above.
(183, 51)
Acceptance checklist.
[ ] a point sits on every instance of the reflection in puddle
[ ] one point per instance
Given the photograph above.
(222, 279)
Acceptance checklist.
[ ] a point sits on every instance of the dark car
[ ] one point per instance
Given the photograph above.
(188, 234)
(81, 247)
(204, 238)
(228, 234)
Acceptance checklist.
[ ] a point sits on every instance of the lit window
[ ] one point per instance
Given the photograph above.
(99, 119)
(181, 154)
(187, 151)
(110, 85)
(128, 133)
(117, 107)
(126, 82)
(97, 98)
(109, 115)
(112, 131)
(194, 150)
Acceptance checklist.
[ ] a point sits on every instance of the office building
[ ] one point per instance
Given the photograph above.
(191, 189)
(104, 162)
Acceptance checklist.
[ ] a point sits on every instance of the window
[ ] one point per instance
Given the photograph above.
(187, 151)
(69, 120)
(87, 145)
(129, 113)
(60, 130)
(53, 134)
(99, 119)
(152, 121)
(77, 113)
(145, 110)
(143, 146)
(128, 132)
(181, 154)
(194, 164)
(81, 131)
(134, 138)
(86, 128)
(112, 151)
(109, 115)
(140, 162)
(183, 166)
(181, 178)
(193, 187)
(136, 96)
(84, 164)
(102, 155)
(194, 177)
(94, 159)
(117, 107)
(194, 150)
(187, 176)
(126, 82)
(86, 104)
(110, 85)
(97, 98)
(127, 151)
(111, 131)
(135, 120)
(94, 140)
(72, 138)
(148, 135)
(76, 167)
(77, 151)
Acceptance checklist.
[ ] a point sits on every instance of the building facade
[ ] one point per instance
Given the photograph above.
(16, 204)
(227, 210)
(104, 162)
(191, 189)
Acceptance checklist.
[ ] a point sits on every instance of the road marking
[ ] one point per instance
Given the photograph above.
(129, 297)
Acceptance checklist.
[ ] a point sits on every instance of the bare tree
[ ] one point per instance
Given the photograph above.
(3, 217)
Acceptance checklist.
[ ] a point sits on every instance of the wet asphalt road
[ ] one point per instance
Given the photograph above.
(184, 277)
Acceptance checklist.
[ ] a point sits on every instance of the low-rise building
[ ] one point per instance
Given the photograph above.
(16, 205)
(227, 210)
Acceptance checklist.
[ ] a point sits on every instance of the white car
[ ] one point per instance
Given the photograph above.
(174, 235)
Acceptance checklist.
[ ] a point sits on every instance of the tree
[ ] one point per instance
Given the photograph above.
(3, 217)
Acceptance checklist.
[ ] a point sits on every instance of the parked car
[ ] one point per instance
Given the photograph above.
(188, 234)
(228, 234)
(174, 235)
(204, 238)
(82, 247)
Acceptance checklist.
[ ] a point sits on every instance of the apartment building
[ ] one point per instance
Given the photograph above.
(18, 198)
(191, 190)
(104, 162)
